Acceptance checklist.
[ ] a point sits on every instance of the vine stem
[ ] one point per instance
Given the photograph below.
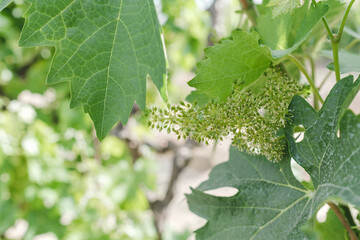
(335, 50)
(341, 29)
(250, 11)
(336, 40)
(343, 220)
(306, 74)
(327, 27)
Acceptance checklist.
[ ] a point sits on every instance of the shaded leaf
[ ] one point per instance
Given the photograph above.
(105, 49)
(271, 203)
(283, 6)
(348, 61)
(352, 32)
(284, 34)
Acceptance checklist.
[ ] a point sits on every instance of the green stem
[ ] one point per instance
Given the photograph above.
(336, 40)
(306, 74)
(331, 36)
(327, 27)
(341, 29)
(335, 49)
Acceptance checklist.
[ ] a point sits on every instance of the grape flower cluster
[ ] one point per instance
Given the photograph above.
(252, 119)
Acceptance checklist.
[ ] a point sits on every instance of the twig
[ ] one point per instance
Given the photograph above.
(343, 220)
(250, 11)
(349, 217)
(159, 206)
(214, 19)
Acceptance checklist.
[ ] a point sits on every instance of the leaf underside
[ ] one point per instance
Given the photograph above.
(271, 203)
(348, 61)
(285, 33)
(105, 49)
(281, 7)
(238, 59)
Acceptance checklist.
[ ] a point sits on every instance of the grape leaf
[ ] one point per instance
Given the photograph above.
(264, 208)
(327, 158)
(333, 17)
(271, 203)
(350, 32)
(238, 59)
(105, 49)
(282, 7)
(284, 34)
(4, 3)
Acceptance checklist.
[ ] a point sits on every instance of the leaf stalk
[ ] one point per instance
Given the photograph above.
(335, 41)
(341, 29)
(326, 24)
(343, 220)
(307, 76)
(335, 50)
(250, 11)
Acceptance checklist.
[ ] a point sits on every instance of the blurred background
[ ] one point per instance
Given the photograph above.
(58, 182)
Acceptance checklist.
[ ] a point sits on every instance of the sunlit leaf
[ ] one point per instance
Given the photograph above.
(238, 59)
(105, 49)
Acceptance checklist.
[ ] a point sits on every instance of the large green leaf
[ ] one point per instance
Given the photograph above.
(238, 59)
(322, 153)
(284, 34)
(4, 3)
(265, 207)
(271, 203)
(105, 49)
